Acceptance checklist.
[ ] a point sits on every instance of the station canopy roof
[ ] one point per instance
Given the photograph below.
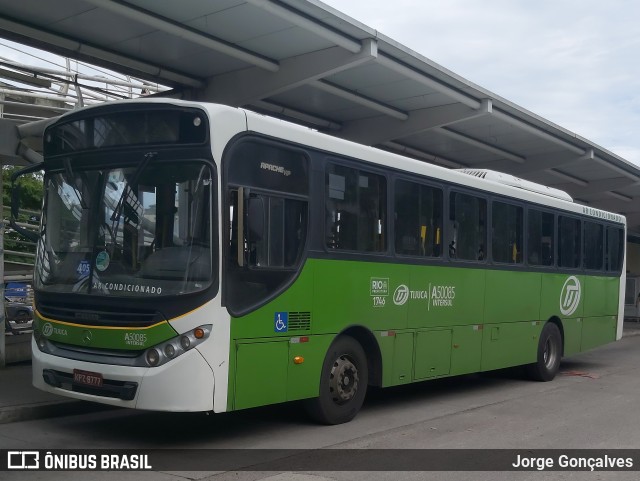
(304, 61)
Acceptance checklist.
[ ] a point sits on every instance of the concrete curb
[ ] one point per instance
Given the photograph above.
(631, 333)
(29, 412)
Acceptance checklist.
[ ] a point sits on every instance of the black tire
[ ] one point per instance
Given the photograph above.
(549, 354)
(343, 383)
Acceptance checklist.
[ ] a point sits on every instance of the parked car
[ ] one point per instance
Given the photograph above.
(18, 316)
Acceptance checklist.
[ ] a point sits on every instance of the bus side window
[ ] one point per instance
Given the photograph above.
(593, 245)
(282, 234)
(355, 210)
(540, 238)
(468, 216)
(614, 249)
(569, 242)
(507, 233)
(418, 219)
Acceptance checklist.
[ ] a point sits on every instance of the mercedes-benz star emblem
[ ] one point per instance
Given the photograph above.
(86, 337)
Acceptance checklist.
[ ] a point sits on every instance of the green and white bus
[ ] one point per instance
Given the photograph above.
(197, 257)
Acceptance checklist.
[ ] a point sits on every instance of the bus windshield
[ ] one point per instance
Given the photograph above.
(134, 231)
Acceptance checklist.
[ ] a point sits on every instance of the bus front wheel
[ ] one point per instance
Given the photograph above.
(343, 383)
(549, 354)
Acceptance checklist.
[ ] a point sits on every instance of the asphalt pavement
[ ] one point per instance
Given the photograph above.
(20, 401)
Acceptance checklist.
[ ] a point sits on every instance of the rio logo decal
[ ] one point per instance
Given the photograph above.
(570, 296)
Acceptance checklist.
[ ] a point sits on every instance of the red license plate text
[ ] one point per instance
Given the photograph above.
(87, 378)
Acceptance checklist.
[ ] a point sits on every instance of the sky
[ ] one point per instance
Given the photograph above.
(575, 63)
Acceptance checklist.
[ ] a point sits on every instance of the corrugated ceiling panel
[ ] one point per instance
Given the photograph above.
(186, 11)
(102, 27)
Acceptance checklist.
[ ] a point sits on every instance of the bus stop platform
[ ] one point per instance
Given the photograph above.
(20, 401)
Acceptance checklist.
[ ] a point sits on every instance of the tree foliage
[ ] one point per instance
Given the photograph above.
(31, 192)
(31, 189)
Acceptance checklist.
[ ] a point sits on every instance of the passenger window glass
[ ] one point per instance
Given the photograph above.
(540, 238)
(355, 209)
(468, 233)
(615, 249)
(418, 220)
(569, 242)
(507, 226)
(274, 230)
(593, 245)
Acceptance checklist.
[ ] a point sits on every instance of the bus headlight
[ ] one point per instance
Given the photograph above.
(168, 350)
(153, 357)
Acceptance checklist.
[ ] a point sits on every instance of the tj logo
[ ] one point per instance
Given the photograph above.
(401, 295)
(570, 296)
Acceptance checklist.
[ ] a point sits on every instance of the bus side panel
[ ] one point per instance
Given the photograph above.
(446, 296)
(597, 331)
(466, 353)
(433, 354)
(303, 380)
(572, 335)
(397, 358)
(350, 292)
(406, 355)
(294, 304)
(512, 296)
(600, 311)
(509, 344)
(297, 298)
(554, 293)
(261, 373)
(601, 296)
(267, 374)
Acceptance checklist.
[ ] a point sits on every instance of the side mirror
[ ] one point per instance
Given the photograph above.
(15, 202)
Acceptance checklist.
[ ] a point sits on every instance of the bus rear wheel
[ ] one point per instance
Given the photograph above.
(343, 383)
(549, 354)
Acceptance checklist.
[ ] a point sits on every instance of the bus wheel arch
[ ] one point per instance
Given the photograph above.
(558, 322)
(343, 382)
(372, 351)
(549, 353)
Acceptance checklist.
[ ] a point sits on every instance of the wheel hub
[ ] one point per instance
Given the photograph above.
(344, 380)
(550, 353)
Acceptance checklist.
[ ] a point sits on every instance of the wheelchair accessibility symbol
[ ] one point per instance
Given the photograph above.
(281, 322)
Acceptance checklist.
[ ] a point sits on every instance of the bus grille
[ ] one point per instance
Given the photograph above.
(102, 316)
(299, 321)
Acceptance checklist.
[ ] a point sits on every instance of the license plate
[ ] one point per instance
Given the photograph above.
(87, 378)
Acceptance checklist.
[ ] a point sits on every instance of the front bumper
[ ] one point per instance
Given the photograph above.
(184, 384)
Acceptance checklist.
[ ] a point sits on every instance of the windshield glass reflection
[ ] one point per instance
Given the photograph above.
(127, 231)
